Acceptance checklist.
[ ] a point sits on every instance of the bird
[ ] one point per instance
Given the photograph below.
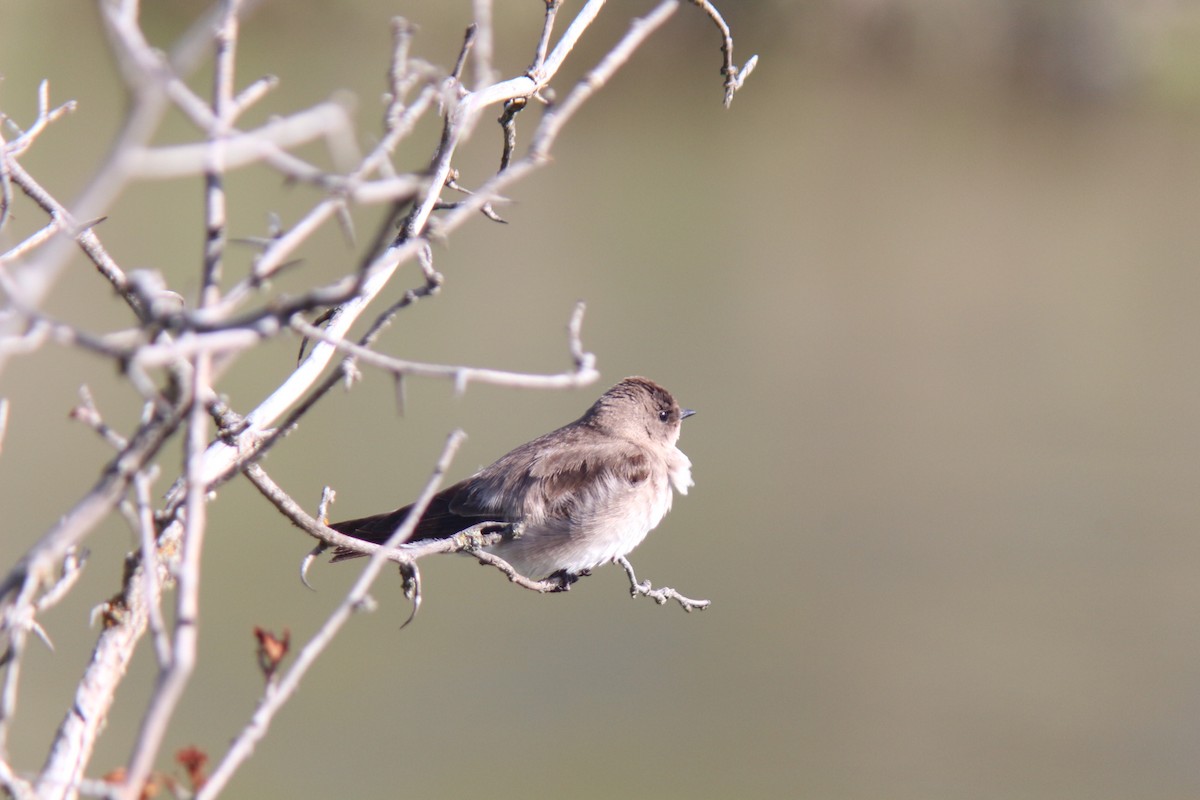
(585, 494)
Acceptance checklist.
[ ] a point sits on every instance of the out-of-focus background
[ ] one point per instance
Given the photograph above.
(933, 284)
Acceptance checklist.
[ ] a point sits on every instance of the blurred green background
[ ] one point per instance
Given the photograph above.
(932, 285)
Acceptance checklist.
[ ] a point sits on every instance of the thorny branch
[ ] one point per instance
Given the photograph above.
(174, 353)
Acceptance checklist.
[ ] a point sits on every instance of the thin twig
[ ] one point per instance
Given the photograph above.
(27, 289)
(224, 115)
(31, 242)
(468, 42)
(584, 373)
(639, 30)
(660, 595)
(70, 529)
(508, 124)
(734, 77)
(153, 571)
(87, 413)
(485, 73)
(71, 571)
(45, 116)
(328, 120)
(539, 55)
(278, 693)
(548, 585)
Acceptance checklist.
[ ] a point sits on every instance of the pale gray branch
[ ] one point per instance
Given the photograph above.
(660, 595)
(327, 121)
(734, 77)
(278, 693)
(174, 675)
(583, 374)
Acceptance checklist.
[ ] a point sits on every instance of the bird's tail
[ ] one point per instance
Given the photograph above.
(438, 522)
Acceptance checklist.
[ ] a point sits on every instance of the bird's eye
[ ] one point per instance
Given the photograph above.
(663, 416)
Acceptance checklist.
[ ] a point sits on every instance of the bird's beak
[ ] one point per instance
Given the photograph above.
(685, 413)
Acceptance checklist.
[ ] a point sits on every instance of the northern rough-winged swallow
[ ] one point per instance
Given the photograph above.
(586, 494)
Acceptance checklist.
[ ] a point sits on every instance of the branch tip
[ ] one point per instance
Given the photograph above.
(660, 595)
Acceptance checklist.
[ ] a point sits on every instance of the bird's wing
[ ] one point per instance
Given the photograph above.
(552, 480)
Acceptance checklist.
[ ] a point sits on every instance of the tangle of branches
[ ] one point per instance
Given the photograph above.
(173, 351)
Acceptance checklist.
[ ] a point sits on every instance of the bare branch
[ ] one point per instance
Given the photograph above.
(377, 274)
(558, 116)
(173, 355)
(152, 590)
(583, 374)
(87, 413)
(252, 94)
(468, 42)
(31, 242)
(543, 45)
(38, 276)
(173, 676)
(45, 116)
(485, 73)
(27, 291)
(276, 694)
(734, 77)
(661, 595)
(124, 620)
(215, 164)
(542, 587)
(328, 121)
(9, 151)
(34, 569)
(639, 30)
(19, 621)
(70, 572)
(175, 672)
(547, 67)
(296, 513)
